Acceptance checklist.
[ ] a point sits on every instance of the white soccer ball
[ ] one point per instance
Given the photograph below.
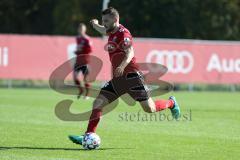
(91, 141)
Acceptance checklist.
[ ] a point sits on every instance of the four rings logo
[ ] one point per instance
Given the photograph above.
(175, 61)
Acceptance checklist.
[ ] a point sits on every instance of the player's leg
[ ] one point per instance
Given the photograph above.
(148, 105)
(76, 80)
(155, 106)
(105, 97)
(86, 83)
(94, 119)
(99, 103)
(141, 93)
(151, 106)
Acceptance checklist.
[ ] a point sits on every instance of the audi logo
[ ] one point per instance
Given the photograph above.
(175, 61)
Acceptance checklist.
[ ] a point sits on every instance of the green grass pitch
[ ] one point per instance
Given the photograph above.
(29, 129)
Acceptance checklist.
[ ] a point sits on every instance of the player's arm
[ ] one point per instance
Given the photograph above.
(101, 29)
(129, 54)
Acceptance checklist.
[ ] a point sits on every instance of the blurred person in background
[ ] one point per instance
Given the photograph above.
(82, 52)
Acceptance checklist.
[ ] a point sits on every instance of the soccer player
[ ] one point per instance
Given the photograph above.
(81, 65)
(124, 68)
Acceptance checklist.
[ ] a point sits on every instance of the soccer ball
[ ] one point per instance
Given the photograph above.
(91, 141)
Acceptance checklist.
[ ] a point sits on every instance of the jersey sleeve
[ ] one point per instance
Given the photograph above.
(125, 40)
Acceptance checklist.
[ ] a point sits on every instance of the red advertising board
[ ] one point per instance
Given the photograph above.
(35, 57)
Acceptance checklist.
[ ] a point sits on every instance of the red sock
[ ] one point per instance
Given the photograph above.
(163, 104)
(94, 119)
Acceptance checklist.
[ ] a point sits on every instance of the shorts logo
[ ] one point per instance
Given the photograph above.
(175, 61)
(121, 30)
(127, 42)
(105, 84)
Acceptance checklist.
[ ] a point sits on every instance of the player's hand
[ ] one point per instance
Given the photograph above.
(118, 71)
(94, 22)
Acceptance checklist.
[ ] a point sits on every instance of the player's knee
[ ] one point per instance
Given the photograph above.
(148, 110)
(147, 107)
(99, 102)
(87, 85)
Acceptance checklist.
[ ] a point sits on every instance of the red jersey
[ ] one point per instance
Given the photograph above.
(83, 48)
(117, 42)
